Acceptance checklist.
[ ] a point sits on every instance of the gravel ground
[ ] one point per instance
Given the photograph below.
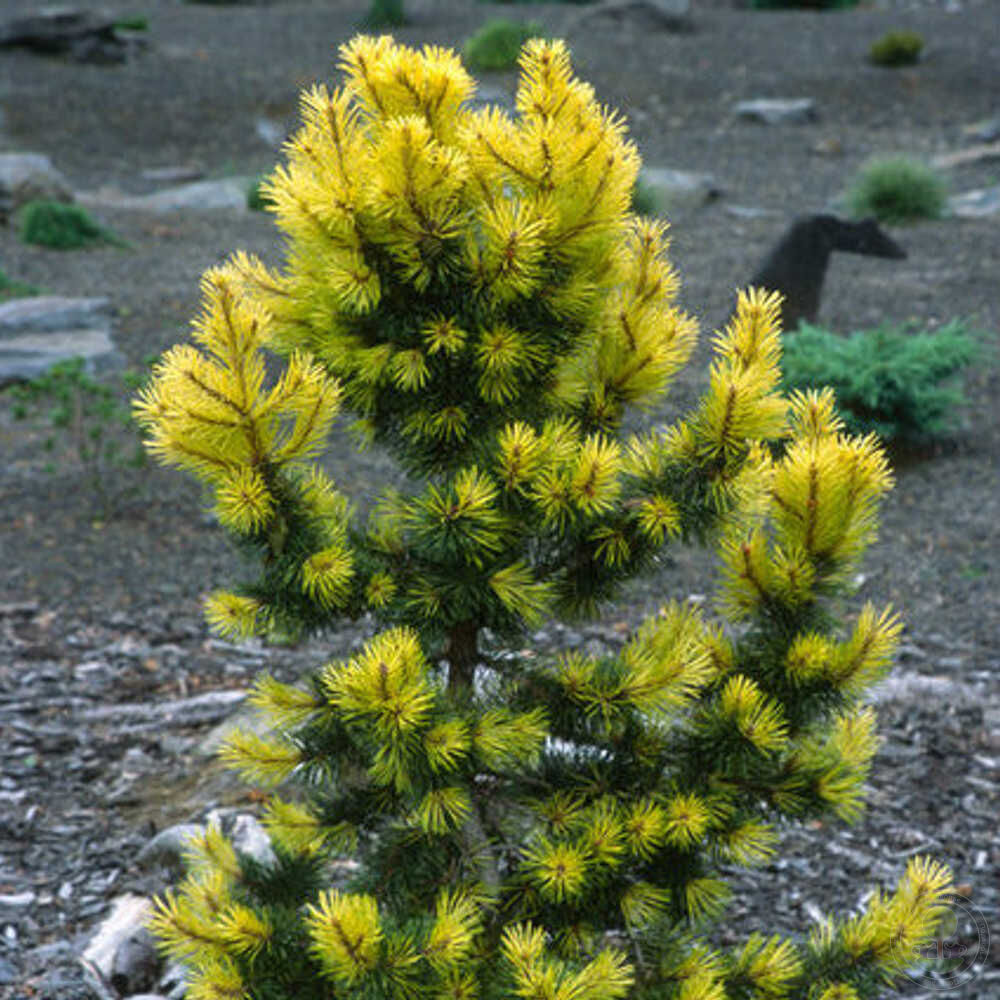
(97, 612)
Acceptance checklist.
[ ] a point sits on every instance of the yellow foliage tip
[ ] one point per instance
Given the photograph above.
(770, 964)
(751, 338)
(243, 502)
(327, 575)
(297, 830)
(346, 935)
(442, 810)
(286, 706)
(457, 922)
(759, 720)
(260, 761)
(232, 616)
(558, 870)
(216, 978)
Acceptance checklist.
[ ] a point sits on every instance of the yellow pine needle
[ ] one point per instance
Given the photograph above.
(242, 500)
(771, 965)
(813, 414)
(504, 356)
(443, 335)
(408, 370)
(758, 719)
(259, 761)
(867, 655)
(561, 811)
(231, 615)
(185, 927)
(645, 826)
(603, 835)
(346, 935)
(746, 573)
(839, 991)
(595, 484)
(457, 922)
(286, 706)
(808, 658)
(686, 820)
(750, 843)
(245, 931)
(705, 898)
(211, 852)
(380, 591)
(558, 870)
(442, 810)
(521, 594)
(447, 744)
(611, 545)
(386, 684)
(327, 575)
(298, 831)
(216, 978)
(642, 903)
(751, 338)
(606, 977)
(503, 738)
(659, 518)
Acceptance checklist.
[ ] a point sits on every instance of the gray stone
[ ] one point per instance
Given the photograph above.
(984, 131)
(245, 833)
(976, 204)
(229, 194)
(128, 916)
(662, 15)
(179, 174)
(168, 847)
(778, 111)
(136, 963)
(33, 354)
(82, 35)
(47, 313)
(676, 191)
(8, 974)
(487, 96)
(28, 177)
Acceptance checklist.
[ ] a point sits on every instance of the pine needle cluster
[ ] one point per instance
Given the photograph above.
(474, 289)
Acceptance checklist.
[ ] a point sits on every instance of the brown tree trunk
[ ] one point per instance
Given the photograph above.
(462, 654)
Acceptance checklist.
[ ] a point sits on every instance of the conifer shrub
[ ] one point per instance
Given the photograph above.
(901, 384)
(61, 226)
(897, 48)
(497, 44)
(473, 289)
(385, 14)
(897, 189)
(257, 199)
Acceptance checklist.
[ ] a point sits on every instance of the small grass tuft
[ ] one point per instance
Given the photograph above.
(896, 48)
(257, 199)
(384, 14)
(497, 44)
(11, 289)
(898, 189)
(61, 226)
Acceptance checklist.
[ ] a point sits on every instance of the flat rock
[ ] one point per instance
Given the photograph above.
(663, 15)
(28, 177)
(677, 191)
(33, 354)
(129, 914)
(974, 154)
(229, 194)
(778, 111)
(45, 313)
(83, 35)
(976, 204)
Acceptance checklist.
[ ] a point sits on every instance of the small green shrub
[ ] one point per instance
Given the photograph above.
(896, 48)
(385, 14)
(60, 226)
(802, 4)
(904, 385)
(498, 43)
(89, 424)
(897, 189)
(11, 289)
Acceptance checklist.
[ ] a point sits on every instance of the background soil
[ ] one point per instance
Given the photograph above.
(194, 96)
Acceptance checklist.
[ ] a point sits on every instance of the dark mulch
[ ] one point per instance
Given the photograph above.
(100, 611)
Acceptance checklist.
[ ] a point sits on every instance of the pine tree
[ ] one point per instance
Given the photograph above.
(473, 289)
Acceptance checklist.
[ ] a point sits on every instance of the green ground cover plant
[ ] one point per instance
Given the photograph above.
(472, 288)
(12, 289)
(897, 189)
(88, 424)
(61, 226)
(897, 48)
(385, 14)
(904, 385)
(497, 44)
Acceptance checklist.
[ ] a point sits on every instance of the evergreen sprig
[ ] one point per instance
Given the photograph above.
(475, 290)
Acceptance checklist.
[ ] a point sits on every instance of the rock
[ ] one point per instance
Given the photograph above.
(136, 964)
(245, 833)
(173, 175)
(675, 191)
(976, 204)
(39, 332)
(273, 131)
(230, 194)
(8, 974)
(28, 177)
(128, 917)
(83, 35)
(487, 96)
(48, 313)
(662, 15)
(974, 154)
(167, 848)
(984, 131)
(778, 111)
